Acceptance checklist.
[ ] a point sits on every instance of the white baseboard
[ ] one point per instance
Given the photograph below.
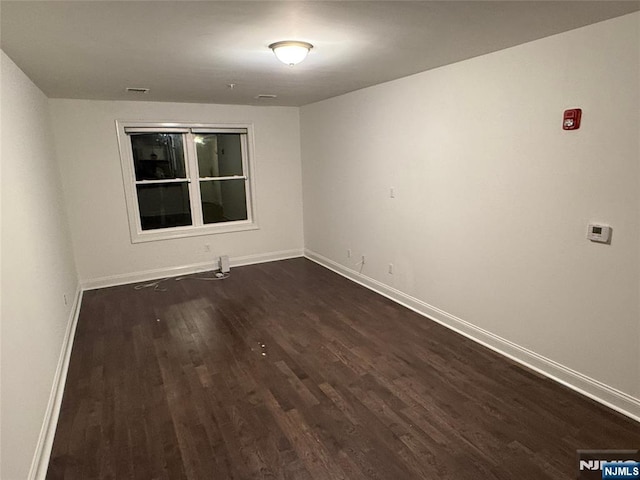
(266, 257)
(123, 279)
(40, 461)
(598, 391)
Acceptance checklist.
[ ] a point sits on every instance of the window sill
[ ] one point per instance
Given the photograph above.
(183, 232)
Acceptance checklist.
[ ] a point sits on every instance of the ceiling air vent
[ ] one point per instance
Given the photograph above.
(137, 90)
(266, 95)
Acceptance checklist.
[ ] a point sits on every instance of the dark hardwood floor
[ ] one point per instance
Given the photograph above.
(287, 370)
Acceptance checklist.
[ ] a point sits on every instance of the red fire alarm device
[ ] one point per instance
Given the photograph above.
(571, 119)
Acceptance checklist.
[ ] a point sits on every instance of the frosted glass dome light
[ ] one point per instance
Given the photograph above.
(291, 52)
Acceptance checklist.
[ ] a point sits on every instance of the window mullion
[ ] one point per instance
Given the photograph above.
(194, 183)
(160, 182)
(231, 177)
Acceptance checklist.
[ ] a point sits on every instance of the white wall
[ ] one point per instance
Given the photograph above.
(86, 142)
(37, 269)
(493, 197)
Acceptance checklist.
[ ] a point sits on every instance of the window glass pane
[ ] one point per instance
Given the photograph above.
(219, 154)
(223, 200)
(158, 156)
(164, 205)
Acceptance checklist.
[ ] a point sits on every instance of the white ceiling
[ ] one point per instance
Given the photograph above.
(189, 51)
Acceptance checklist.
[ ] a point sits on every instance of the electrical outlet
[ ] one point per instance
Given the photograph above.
(207, 248)
(362, 260)
(391, 269)
(349, 253)
(64, 297)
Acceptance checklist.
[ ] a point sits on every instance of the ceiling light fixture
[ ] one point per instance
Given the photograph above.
(291, 52)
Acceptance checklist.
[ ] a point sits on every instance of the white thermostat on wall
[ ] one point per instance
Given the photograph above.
(599, 233)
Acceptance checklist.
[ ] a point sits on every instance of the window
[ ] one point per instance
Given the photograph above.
(183, 180)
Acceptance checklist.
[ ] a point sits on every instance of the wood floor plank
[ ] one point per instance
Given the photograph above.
(288, 371)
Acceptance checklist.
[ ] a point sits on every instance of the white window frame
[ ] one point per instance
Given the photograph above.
(193, 180)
